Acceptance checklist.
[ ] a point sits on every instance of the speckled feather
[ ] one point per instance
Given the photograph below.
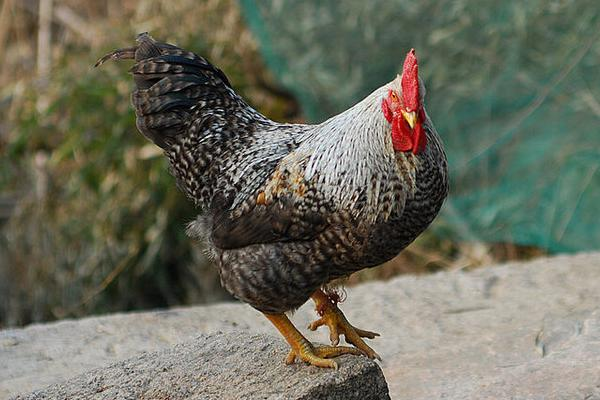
(285, 208)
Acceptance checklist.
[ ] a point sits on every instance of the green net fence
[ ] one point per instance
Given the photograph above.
(513, 89)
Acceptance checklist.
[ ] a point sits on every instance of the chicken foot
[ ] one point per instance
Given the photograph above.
(332, 316)
(303, 349)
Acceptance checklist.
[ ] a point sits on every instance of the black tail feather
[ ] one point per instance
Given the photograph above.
(120, 54)
(172, 85)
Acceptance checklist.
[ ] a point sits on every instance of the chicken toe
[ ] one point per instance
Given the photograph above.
(304, 350)
(333, 317)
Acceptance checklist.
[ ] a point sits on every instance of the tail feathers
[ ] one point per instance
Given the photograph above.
(172, 84)
(120, 54)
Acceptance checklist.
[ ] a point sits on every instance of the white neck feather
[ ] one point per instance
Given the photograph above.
(352, 153)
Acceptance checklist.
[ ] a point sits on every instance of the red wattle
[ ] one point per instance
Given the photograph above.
(420, 139)
(401, 135)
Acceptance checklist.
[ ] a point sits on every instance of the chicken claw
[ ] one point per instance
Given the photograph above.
(333, 317)
(303, 349)
(319, 355)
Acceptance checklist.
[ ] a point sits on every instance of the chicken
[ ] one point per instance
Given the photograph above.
(287, 208)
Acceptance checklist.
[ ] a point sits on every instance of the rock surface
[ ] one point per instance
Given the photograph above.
(520, 330)
(233, 365)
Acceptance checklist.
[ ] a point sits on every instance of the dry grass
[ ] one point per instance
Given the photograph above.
(90, 219)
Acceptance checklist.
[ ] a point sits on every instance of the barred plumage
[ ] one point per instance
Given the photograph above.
(285, 208)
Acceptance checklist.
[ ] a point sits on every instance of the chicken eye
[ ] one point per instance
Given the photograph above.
(394, 96)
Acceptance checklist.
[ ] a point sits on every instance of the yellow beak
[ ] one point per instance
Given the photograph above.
(410, 117)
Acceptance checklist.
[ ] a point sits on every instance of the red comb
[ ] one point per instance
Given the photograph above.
(410, 81)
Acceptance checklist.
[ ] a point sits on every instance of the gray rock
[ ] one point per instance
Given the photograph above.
(233, 365)
(521, 330)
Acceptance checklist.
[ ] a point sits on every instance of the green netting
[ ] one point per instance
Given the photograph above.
(513, 88)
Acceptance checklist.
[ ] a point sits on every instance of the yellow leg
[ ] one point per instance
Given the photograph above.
(303, 349)
(332, 316)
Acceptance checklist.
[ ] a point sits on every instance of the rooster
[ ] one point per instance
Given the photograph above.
(287, 208)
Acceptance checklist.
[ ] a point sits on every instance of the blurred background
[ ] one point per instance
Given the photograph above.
(91, 222)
